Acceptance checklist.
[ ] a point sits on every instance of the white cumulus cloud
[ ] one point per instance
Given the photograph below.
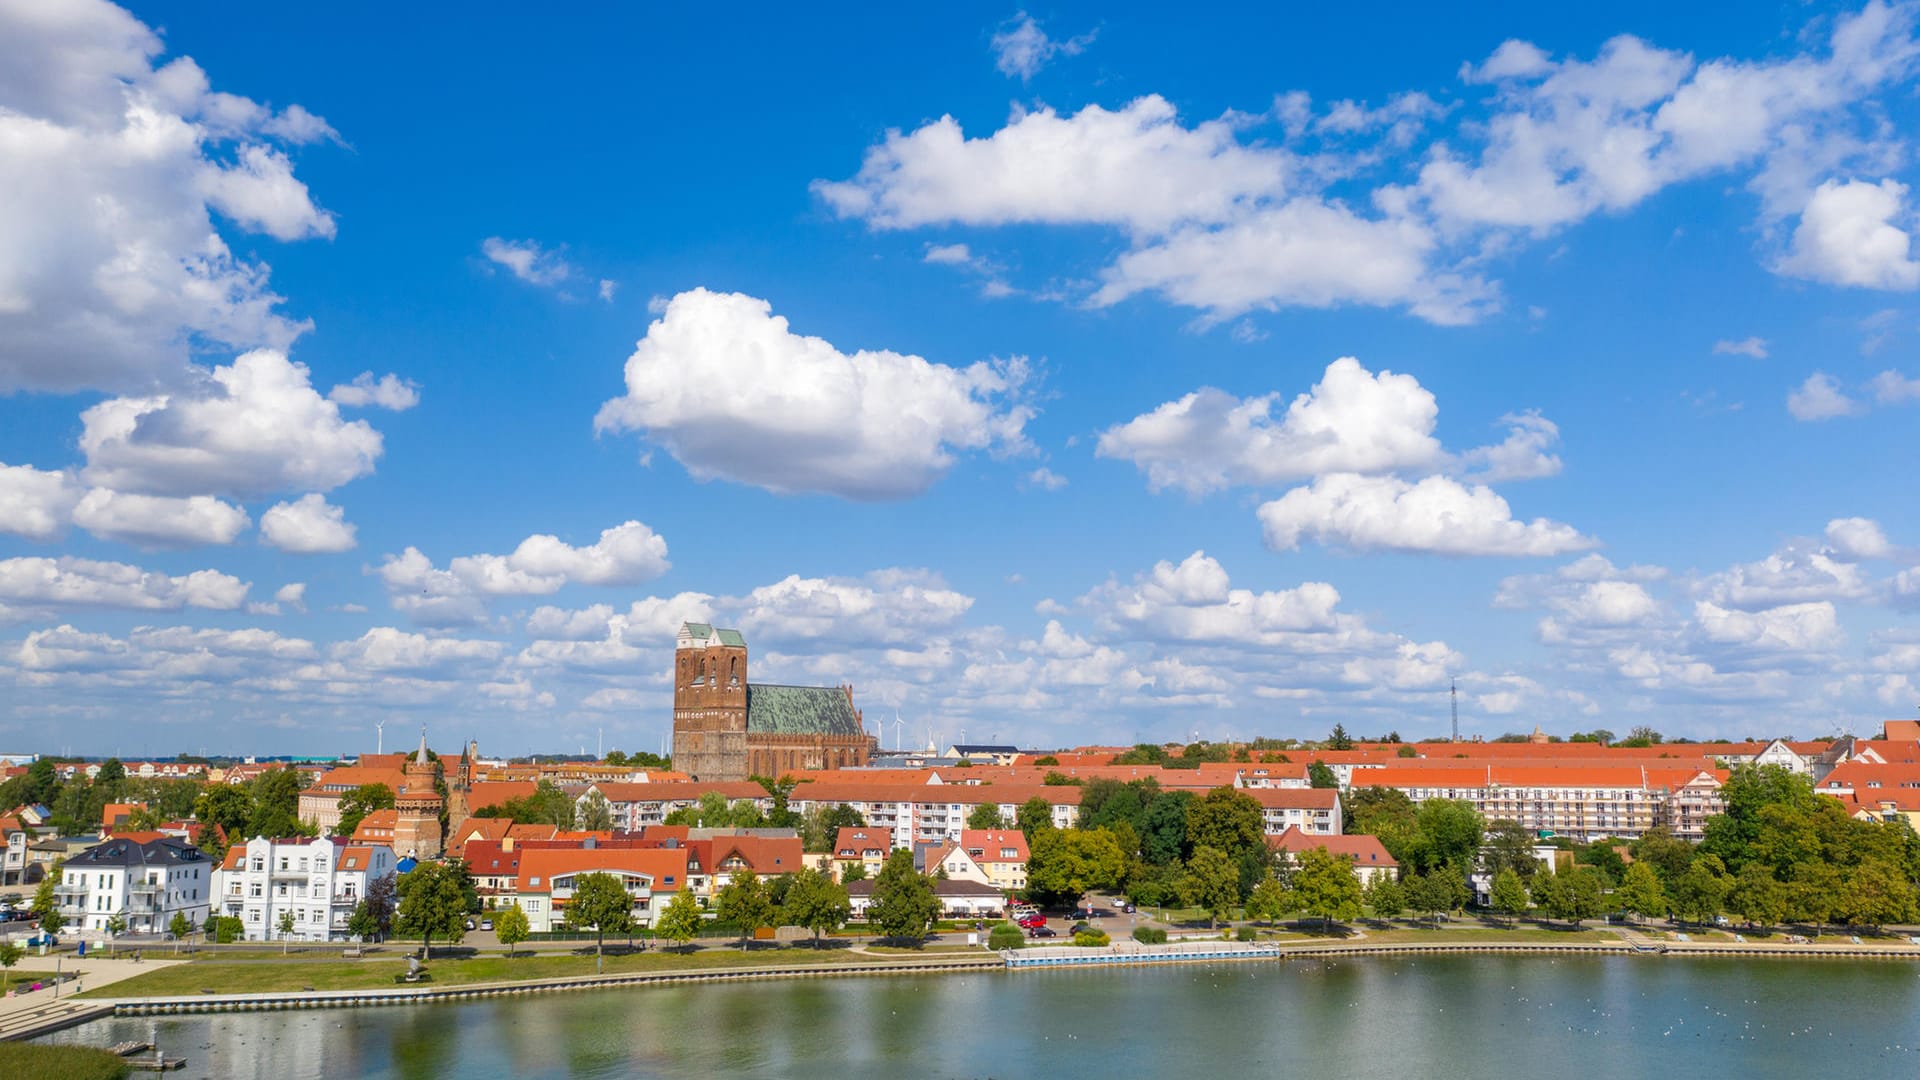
(112, 170)
(74, 582)
(389, 391)
(1436, 515)
(308, 525)
(159, 520)
(1850, 234)
(36, 503)
(251, 428)
(1021, 48)
(525, 260)
(722, 384)
(1820, 398)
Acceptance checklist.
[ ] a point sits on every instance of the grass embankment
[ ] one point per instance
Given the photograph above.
(257, 977)
(43, 1062)
(1483, 935)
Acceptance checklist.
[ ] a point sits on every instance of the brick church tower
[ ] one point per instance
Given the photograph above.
(710, 703)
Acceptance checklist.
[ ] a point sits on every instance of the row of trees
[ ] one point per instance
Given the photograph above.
(76, 805)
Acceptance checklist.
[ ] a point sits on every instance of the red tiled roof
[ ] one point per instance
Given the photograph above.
(660, 864)
(852, 843)
(1363, 849)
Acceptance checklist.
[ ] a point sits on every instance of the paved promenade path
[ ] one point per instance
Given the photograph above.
(27, 1012)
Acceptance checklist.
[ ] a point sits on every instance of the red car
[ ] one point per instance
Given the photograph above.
(1032, 922)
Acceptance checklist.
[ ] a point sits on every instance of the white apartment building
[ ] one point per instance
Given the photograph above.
(144, 883)
(319, 881)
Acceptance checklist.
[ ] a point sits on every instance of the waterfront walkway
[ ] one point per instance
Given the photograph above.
(24, 1015)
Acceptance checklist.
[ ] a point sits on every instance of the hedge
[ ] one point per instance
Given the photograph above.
(1149, 935)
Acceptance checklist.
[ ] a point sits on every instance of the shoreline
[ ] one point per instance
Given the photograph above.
(83, 1011)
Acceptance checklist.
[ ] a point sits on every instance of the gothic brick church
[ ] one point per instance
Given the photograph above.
(726, 728)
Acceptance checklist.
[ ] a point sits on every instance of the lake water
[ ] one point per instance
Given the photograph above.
(1405, 1019)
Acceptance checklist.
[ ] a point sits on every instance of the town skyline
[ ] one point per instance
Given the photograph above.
(1066, 377)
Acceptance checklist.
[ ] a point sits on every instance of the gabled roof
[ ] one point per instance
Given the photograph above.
(773, 709)
(853, 843)
(1364, 850)
(700, 631)
(659, 864)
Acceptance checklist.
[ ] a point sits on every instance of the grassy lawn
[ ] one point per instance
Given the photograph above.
(1470, 935)
(254, 976)
(59, 1062)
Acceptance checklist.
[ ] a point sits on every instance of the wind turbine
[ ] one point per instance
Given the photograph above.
(899, 732)
(380, 735)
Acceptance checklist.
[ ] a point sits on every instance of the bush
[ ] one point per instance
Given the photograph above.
(1149, 935)
(60, 1062)
(1092, 939)
(228, 929)
(1005, 936)
(1246, 933)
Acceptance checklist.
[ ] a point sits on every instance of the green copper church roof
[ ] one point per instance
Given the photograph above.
(702, 631)
(800, 710)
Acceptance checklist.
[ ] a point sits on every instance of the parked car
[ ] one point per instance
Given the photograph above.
(469, 924)
(1042, 931)
(1080, 928)
(1129, 909)
(486, 924)
(1120, 902)
(1028, 922)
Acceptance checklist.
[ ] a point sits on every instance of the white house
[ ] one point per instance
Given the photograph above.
(319, 881)
(145, 883)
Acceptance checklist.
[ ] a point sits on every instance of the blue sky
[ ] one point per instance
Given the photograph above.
(1065, 376)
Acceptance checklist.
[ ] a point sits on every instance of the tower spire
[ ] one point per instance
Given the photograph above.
(1453, 692)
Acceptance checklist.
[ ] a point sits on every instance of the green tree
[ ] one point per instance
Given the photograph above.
(1701, 892)
(1757, 896)
(1669, 855)
(1324, 884)
(1339, 739)
(1874, 894)
(1386, 813)
(511, 927)
(779, 794)
(1406, 752)
(228, 806)
(1509, 892)
(208, 840)
(1640, 892)
(1386, 896)
(854, 871)
(355, 805)
(1508, 846)
(111, 780)
(432, 904)
(10, 954)
(1211, 883)
(1573, 896)
(745, 903)
(1034, 817)
(986, 816)
(1005, 936)
(180, 927)
(1447, 833)
(116, 925)
(1064, 864)
(45, 906)
(1163, 828)
(817, 902)
(904, 906)
(593, 813)
(1228, 821)
(1320, 775)
(285, 926)
(600, 903)
(680, 920)
(1269, 900)
(276, 804)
